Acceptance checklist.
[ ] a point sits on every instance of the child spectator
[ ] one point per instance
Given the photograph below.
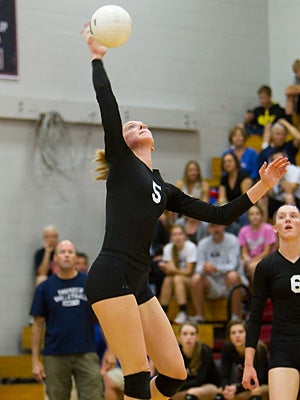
(256, 240)
(267, 112)
(203, 377)
(179, 260)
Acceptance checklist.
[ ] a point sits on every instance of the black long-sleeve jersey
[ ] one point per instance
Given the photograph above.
(232, 366)
(137, 195)
(207, 371)
(279, 278)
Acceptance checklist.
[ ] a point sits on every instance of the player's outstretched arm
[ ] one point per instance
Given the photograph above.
(269, 174)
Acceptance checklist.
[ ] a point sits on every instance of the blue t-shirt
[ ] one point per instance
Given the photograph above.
(288, 148)
(68, 315)
(248, 162)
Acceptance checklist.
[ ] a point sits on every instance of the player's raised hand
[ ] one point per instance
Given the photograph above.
(271, 173)
(97, 50)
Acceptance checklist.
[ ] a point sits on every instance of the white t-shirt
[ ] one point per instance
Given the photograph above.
(225, 256)
(187, 255)
(292, 175)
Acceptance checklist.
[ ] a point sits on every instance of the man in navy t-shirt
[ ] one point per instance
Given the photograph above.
(69, 350)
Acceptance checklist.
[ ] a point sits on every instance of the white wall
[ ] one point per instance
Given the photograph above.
(284, 44)
(200, 58)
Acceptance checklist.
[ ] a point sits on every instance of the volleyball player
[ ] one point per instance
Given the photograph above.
(117, 285)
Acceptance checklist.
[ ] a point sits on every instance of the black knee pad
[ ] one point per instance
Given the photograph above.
(137, 385)
(168, 386)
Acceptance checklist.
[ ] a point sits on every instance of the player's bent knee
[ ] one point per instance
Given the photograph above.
(137, 385)
(168, 386)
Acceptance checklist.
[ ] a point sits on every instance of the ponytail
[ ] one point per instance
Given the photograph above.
(102, 168)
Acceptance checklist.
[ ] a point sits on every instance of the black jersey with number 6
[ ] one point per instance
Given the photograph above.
(279, 278)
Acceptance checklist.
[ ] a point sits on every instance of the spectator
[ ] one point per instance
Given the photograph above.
(292, 105)
(246, 155)
(232, 365)
(256, 240)
(161, 237)
(218, 270)
(195, 229)
(267, 112)
(178, 263)
(276, 140)
(234, 182)
(44, 263)
(286, 191)
(203, 377)
(82, 262)
(113, 377)
(192, 182)
(69, 348)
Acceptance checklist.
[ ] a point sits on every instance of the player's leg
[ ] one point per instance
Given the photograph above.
(162, 347)
(120, 321)
(283, 383)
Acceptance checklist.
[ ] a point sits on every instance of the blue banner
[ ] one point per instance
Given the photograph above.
(8, 39)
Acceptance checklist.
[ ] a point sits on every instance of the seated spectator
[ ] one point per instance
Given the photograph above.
(161, 237)
(82, 262)
(192, 182)
(178, 263)
(267, 112)
(292, 105)
(233, 184)
(203, 377)
(246, 155)
(44, 263)
(286, 191)
(257, 240)
(232, 365)
(112, 376)
(195, 229)
(218, 269)
(275, 139)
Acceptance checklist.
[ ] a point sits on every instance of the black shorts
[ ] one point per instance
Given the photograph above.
(111, 276)
(285, 354)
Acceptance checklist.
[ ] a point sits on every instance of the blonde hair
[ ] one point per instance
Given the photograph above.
(102, 168)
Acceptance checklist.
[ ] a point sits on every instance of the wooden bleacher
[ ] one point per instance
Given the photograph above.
(26, 338)
(215, 314)
(15, 370)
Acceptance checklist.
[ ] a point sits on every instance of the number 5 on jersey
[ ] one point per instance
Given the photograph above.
(156, 196)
